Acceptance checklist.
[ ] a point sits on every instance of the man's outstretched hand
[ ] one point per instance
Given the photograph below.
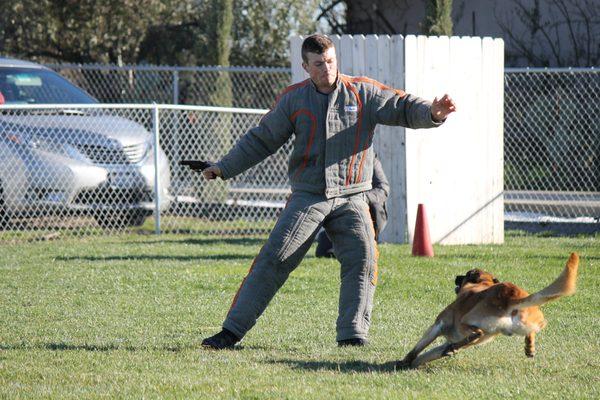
(441, 108)
(212, 172)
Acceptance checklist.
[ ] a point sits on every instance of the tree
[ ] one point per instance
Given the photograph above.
(557, 33)
(174, 32)
(184, 40)
(333, 14)
(262, 29)
(86, 31)
(220, 36)
(438, 18)
(364, 17)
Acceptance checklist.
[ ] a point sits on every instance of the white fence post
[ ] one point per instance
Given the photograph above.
(156, 128)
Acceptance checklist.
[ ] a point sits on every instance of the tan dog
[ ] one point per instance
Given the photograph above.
(485, 308)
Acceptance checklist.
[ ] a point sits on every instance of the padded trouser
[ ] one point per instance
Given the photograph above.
(348, 224)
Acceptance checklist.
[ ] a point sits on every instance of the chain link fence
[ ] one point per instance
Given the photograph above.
(552, 142)
(246, 204)
(97, 168)
(239, 87)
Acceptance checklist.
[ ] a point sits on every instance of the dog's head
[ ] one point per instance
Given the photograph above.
(475, 276)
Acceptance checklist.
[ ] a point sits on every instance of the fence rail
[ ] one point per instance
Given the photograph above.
(111, 167)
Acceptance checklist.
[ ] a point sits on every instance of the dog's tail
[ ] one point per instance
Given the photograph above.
(564, 285)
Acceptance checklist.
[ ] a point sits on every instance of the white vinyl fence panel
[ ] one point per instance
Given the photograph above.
(455, 170)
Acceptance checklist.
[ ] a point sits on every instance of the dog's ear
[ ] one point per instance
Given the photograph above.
(473, 276)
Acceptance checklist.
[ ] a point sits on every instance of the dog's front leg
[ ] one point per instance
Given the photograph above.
(447, 349)
(430, 335)
(474, 336)
(440, 351)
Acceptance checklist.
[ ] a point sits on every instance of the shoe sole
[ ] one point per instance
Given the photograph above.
(211, 347)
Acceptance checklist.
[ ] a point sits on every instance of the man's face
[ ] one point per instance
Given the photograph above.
(322, 68)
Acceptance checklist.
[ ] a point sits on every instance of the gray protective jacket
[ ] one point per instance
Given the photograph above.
(333, 134)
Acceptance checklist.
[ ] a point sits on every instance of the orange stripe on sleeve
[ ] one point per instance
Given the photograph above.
(350, 87)
(311, 137)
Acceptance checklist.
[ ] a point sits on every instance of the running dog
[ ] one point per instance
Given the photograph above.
(485, 308)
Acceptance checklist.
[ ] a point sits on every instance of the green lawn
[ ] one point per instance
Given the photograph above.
(123, 316)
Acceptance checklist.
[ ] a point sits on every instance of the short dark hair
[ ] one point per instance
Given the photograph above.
(317, 44)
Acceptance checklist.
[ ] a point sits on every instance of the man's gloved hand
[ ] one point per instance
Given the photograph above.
(212, 172)
(441, 108)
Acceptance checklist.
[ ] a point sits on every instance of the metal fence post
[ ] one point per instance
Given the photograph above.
(156, 171)
(175, 87)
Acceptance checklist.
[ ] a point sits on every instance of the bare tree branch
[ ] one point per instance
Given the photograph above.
(325, 10)
(562, 8)
(568, 30)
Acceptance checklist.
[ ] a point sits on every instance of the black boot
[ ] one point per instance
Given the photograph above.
(222, 340)
(353, 342)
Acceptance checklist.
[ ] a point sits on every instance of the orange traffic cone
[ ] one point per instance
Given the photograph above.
(421, 240)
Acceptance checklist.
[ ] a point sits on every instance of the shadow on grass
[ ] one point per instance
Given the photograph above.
(345, 367)
(201, 241)
(215, 257)
(61, 346)
(231, 233)
(537, 256)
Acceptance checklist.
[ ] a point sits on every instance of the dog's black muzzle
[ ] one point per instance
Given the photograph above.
(458, 281)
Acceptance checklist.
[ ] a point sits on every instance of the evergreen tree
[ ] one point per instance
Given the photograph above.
(222, 92)
(438, 18)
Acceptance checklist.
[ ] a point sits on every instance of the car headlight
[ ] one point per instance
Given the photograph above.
(37, 142)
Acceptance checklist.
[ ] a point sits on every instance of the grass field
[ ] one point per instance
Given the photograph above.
(123, 317)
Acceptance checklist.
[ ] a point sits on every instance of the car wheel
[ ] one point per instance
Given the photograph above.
(121, 219)
(136, 217)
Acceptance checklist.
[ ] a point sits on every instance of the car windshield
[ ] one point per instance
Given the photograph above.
(33, 86)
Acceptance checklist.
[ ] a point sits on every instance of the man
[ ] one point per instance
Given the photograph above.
(332, 117)
(375, 198)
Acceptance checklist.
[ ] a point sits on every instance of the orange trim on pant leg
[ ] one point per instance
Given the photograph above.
(376, 273)
(237, 294)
